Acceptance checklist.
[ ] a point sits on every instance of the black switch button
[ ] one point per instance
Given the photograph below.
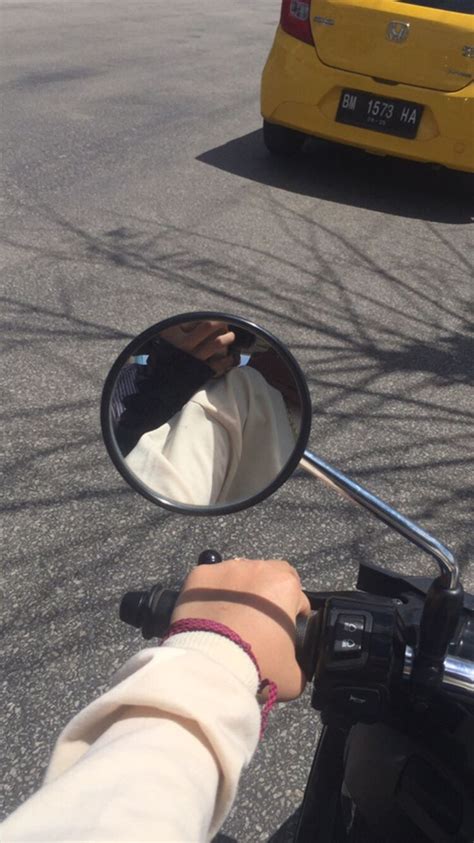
(351, 623)
(346, 645)
(348, 636)
(360, 704)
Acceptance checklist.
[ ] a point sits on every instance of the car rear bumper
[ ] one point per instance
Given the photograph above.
(300, 92)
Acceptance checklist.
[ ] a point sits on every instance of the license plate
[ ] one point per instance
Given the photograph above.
(381, 114)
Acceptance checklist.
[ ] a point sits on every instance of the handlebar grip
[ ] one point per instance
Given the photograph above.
(149, 611)
(307, 642)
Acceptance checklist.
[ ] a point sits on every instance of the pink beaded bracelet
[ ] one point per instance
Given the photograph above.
(204, 625)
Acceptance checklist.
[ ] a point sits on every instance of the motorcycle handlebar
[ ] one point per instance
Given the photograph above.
(458, 675)
(151, 611)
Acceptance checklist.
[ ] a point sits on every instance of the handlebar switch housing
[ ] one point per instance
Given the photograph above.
(356, 660)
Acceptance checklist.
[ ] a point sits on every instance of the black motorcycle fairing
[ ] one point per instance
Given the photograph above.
(378, 784)
(339, 820)
(411, 787)
(317, 824)
(407, 776)
(385, 583)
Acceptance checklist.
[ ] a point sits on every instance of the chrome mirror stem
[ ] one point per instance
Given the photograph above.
(336, 479)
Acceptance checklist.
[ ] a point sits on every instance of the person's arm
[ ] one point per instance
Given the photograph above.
(177, 375)
(228, 442)
(159, 756)
(184, 359)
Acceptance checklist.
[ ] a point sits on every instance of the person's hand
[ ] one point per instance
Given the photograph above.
(208, 341)
(259, 600)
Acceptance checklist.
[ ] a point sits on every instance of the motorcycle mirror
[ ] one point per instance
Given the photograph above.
(205, 413)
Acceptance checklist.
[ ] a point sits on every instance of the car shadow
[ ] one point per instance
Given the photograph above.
(349, 176)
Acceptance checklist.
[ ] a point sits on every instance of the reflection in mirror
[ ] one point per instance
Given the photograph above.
(206, 413)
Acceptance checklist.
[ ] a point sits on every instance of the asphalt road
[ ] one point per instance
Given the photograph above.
(135, 186)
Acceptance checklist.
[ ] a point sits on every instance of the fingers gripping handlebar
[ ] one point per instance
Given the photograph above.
(151, 612)
(353, 644)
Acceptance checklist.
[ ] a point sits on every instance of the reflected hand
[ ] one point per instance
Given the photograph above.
(259, 600)
(208, 341)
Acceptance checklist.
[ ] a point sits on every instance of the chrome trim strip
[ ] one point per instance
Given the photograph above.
(349, 488)
(458, 675)
(324, 21)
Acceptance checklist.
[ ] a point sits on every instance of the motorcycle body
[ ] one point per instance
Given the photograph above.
(189, 409)
(390, 766)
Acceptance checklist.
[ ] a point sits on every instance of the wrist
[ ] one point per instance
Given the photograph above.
(220, 649)
(219, 641)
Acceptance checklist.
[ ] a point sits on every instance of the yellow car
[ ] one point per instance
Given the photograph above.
(390, 76)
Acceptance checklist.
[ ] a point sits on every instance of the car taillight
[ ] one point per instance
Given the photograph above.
(295, 19)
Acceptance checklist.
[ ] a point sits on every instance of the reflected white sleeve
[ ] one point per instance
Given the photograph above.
(156, 758)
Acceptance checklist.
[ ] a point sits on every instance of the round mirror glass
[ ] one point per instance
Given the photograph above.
(205, 413)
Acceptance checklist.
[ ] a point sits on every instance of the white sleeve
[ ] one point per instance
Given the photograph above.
(186, 459)
(156, 758)
(228, 442)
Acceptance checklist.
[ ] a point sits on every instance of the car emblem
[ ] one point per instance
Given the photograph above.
(397, 31)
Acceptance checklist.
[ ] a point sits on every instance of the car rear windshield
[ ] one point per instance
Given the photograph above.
(466, 7)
